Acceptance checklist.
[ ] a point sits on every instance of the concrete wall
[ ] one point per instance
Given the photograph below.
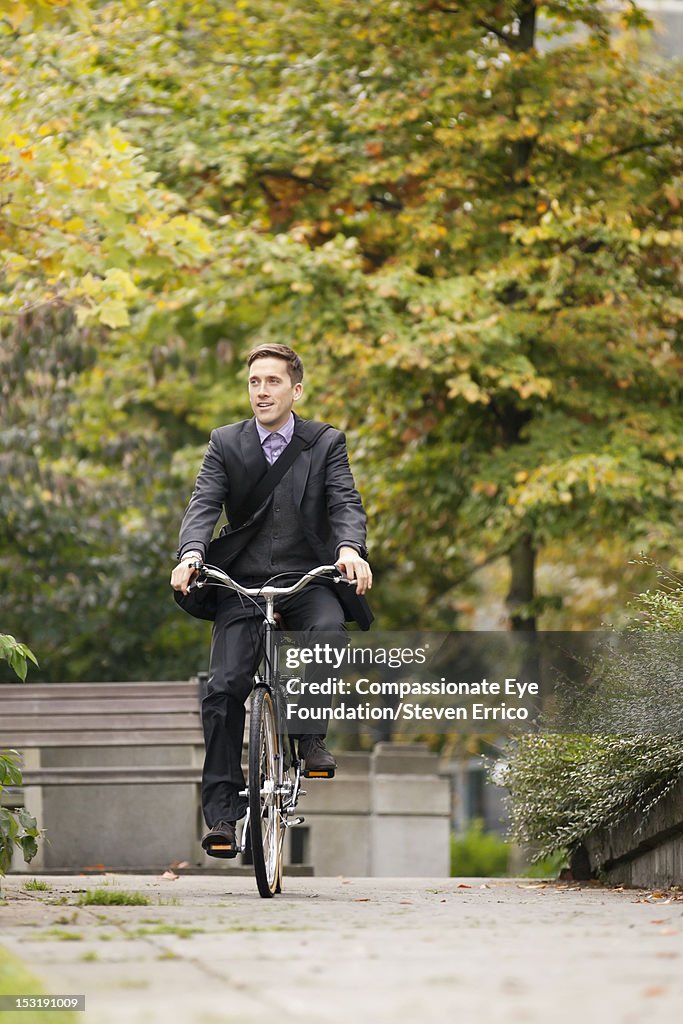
(639, 851)
(384, 814)
(115, 824)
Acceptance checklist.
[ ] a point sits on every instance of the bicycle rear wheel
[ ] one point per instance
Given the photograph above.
(264, 800)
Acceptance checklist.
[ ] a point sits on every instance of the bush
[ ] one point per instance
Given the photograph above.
(562, 787)
(17, 828)
(478, 854)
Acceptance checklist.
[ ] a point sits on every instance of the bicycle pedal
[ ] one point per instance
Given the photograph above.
(224, 850)
(328, 773)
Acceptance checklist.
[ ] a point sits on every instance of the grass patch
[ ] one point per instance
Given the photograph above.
(179, 930)
(35, 885)
(257, 928)
(90, 956)
(61, 934)
(15, 978)
(112, 898)
(68, 920)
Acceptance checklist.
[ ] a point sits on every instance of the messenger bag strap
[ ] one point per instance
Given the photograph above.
(274, 474)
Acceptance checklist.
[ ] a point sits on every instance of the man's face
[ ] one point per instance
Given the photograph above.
(271, 392)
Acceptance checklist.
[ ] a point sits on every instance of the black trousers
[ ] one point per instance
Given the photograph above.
(235, 654)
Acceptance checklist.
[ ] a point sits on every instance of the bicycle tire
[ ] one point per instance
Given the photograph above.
(264, 803)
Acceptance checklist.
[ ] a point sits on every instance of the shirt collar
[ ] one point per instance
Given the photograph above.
(285, 431)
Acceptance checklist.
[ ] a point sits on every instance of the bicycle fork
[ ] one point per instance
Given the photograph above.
(289, 793)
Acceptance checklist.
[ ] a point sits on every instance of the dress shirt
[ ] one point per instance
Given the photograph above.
(274, 442)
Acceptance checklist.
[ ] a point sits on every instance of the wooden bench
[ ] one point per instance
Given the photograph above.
(51, 716)
(137, 740)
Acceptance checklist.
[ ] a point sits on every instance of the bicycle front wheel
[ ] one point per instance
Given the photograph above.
(264, 799)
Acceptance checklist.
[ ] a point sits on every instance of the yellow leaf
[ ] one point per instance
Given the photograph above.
(118, 282)
(17, 14)
(113, 313)
(75, 224)
(18, 140)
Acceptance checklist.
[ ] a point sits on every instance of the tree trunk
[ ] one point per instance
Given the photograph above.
(521, 594)
(522, 556)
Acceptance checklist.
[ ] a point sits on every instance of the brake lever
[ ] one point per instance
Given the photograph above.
(197, 581)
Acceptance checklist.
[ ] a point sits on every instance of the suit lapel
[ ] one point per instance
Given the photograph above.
(302, 465)
(255, 463)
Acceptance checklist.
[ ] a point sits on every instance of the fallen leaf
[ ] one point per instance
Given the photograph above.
(463, 886)
(170, 876)
(654, 990)
(364, 899)
(668, 931)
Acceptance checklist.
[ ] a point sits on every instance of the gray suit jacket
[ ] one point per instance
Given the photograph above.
(329, 505)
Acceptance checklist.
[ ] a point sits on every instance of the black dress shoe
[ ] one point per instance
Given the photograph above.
(318, 761)
(221, 840)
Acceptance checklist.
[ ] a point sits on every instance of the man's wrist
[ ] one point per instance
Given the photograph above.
(192, 556)
(347, 544)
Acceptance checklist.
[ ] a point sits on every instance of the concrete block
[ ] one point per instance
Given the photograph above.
(119, 825)
(339, 846)
(400, 758)
(340, 795)
(410, 847)
(410, 794)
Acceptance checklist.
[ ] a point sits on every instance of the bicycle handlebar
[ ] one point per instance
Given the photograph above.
(212, 574)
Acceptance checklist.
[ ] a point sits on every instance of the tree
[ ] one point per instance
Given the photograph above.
(473, 238)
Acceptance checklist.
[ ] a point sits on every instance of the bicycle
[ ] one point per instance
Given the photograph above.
(273, 778)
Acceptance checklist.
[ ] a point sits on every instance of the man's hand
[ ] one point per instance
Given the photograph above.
(355, 568)
(182, 575)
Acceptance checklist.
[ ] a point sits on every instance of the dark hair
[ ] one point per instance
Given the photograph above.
(295, 367)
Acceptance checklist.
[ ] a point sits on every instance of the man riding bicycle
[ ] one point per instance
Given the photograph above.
(312, 515)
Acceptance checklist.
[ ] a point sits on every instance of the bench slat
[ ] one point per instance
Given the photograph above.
(141, 775)
(16, 690)
(56, 723)
(112, 705)
(128, 738)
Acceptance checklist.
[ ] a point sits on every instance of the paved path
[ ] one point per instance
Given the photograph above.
(331, 950)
